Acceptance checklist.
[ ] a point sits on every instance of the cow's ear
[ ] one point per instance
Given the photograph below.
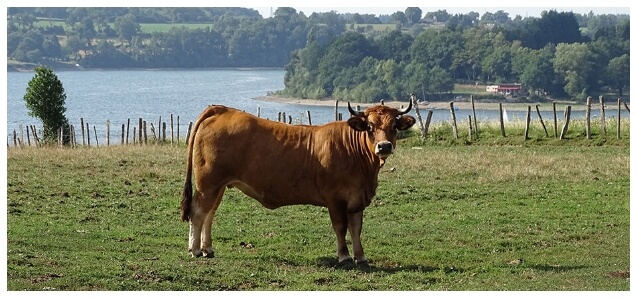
(357, 123)
(405, 122)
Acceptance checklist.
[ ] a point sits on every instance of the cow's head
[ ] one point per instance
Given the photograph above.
(382, 124)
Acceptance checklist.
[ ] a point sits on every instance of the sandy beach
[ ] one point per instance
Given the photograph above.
(438, 105)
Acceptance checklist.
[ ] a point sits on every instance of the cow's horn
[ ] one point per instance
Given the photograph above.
(354, 113)
(406, 110)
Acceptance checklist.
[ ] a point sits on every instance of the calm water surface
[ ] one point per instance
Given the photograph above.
(120, 95)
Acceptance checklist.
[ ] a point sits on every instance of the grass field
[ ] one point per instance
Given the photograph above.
(493, 215)
(145, 27)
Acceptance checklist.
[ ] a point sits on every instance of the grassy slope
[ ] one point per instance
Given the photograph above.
(447, 217)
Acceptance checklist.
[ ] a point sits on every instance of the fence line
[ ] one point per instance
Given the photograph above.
(159, 133)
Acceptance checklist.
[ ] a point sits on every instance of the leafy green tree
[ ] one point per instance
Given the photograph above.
(45, 99)
(399, 17)
(618, 73)
(347, 51)
(534, 68)
(436, 47)
(413, 14)
(127, 27)
(51, 47)
(438, 16)
(467, 62)
(394, 45)
(572, 63)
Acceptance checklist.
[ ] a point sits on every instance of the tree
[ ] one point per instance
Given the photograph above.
(413, 14)
(399, 17)
(45, 99)
(572, 62)
(127, 27)
(618, 73)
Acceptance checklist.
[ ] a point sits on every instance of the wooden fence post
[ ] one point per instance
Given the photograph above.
(309, 117)
(554, 120)
(453, 121)
(152, 129)
(88, 135)
(28, 137)
(127, 130)
(60, 137)
(178, 129)
(588, 117)
(36, 140)
(427, 122)
(22, 134)
(145, 134)
(163, 129)
(475, 119)
(258, 111)
(108, 133)
(626, 106)
(602, 115)
(172, 130)
(537, 108)
(502, 122)
(82, 125)
(528, 123)
(139, 125)
(123, 126)
(619, 110)
(73, 140)
(134, 135)
(336, 114)
(159, 128)
(97, 142)
(470, 127)
(567, 112)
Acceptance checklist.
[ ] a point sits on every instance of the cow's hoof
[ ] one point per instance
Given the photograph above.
(209, 253)
(363, 263)
(196, 253)
(346, 264)
(345, 259)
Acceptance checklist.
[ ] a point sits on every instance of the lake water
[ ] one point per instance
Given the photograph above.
(120, 95)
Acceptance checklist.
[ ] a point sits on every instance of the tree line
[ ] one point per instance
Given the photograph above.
(548, 55)
(342, 55)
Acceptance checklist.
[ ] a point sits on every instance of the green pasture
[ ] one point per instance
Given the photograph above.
(448, 215)
(145, 27)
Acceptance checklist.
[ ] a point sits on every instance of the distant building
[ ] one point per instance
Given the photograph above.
(507, 89)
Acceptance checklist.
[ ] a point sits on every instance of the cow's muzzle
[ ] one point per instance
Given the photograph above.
(384, 149)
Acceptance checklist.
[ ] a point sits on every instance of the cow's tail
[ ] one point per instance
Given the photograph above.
(186, 199)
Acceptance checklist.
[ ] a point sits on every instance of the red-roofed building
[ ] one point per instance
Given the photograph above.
(507, 89)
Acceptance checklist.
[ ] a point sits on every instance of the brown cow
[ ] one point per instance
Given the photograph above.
(335, 165)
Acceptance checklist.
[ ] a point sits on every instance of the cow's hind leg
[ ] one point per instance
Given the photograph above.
(203, 204)
(206, 233)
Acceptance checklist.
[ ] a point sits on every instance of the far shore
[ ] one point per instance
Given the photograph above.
(439, 105)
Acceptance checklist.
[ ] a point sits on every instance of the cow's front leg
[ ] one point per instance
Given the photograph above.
(339, 223)
(355, 224)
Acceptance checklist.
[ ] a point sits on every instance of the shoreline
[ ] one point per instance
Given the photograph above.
(442, 105)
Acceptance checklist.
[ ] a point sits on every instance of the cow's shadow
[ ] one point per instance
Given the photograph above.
(331, 262)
